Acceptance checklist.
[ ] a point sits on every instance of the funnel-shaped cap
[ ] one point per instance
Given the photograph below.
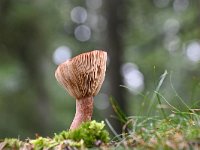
(83, 75)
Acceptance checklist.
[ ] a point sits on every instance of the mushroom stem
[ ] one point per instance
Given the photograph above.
(84, 110)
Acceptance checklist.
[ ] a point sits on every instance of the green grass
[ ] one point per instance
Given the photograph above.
(176, 131)
(172, 128)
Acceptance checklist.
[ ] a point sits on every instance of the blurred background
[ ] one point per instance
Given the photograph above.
(142, 38)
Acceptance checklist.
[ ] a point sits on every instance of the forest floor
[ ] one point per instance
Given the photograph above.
(180, 130)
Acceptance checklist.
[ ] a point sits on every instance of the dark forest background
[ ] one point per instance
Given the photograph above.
(143, 40)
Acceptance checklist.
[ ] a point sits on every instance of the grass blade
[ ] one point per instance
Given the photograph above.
(167, 102)
(120, 114)
(163, 76)
(161, 108)
(176, 94)
(113, 130)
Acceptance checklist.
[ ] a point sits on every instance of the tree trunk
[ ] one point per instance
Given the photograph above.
(116, 17)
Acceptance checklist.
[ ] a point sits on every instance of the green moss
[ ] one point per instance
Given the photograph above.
(41, 143)
(89, 133)
(12, 143)
(85, 136)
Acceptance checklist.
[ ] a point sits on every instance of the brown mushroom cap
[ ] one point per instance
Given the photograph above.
(83, 75)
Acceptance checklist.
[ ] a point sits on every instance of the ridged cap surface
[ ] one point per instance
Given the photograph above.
(83, 75)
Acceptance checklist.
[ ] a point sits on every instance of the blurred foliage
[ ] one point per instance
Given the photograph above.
(156, 38)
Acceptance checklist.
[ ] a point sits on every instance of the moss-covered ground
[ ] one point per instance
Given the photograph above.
(180, 130)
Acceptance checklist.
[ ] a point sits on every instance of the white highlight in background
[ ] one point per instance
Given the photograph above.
(193, 51)
(61, 54)
(133, 78)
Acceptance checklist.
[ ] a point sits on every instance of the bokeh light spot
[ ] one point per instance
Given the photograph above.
(82, 33)
(78, 14)
(171, 26)
(61, 54)
(172, 43)
(193, 51)
(133, 78)
(97, 22)
(180, 5)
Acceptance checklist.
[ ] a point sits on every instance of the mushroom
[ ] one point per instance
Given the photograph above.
(82, 76)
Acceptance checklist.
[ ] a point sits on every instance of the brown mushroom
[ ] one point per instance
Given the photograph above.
(82, 76)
